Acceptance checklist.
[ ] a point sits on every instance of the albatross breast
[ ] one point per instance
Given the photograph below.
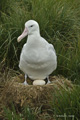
(38, 58)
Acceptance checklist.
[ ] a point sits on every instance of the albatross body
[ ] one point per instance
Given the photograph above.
(38, 58)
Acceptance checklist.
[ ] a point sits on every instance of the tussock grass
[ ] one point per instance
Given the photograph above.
(12, 114)
(66, 104)
(59, 23)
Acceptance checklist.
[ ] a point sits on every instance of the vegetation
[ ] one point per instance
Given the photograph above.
(12, 114)
(67, 104)
(60, 25)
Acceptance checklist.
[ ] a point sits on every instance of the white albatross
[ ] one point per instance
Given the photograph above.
(38, 58)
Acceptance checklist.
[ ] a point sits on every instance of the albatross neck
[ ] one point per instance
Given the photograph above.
(33, 38)
(34, 34)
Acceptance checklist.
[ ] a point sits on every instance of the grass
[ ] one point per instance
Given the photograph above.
(59, 23)
(67, 104)
(12, 114)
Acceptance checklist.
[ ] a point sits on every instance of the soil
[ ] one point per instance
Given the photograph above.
(34, 96)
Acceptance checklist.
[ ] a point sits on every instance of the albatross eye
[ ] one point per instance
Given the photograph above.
(31, 26)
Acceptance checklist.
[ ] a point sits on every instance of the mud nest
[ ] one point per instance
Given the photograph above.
(34, 96)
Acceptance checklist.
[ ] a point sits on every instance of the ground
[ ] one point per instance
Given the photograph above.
(36, 97)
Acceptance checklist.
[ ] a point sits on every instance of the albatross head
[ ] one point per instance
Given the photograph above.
(31, 27)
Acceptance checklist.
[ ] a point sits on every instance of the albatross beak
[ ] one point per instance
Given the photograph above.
(24, 34)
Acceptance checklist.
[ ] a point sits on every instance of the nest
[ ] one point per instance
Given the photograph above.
(31, 95)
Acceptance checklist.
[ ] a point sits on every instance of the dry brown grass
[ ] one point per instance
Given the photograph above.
(33, 96)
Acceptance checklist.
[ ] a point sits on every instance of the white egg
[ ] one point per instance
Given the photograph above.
(39, 82)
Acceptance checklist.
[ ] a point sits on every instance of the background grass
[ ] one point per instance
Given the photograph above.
(59, 24)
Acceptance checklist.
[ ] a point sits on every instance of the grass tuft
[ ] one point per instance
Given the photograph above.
(59, 24)
(66, 104)
(12, 114)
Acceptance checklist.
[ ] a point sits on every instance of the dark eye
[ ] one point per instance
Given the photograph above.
(31, 26)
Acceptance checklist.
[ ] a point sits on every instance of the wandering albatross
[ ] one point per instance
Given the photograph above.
(38, 58)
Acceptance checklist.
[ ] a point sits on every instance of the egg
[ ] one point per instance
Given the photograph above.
(39, 82)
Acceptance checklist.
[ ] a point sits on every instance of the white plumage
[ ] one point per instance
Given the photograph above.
(38, 58)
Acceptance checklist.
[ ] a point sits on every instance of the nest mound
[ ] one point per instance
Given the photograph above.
(32, 95)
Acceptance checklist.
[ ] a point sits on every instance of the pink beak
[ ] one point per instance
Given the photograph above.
(24, 34)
